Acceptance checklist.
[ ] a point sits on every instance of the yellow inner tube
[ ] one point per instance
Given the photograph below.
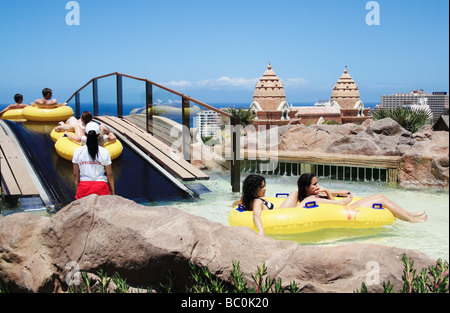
(66, 148)
(314, 217)
(14, 115)
(61, 113)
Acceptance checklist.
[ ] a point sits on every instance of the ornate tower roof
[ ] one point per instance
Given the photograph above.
(345, 92)
(269, 91)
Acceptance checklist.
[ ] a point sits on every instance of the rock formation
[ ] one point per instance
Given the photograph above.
(39, 254)
(424, 155)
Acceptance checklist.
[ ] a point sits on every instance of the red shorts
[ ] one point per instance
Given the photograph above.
(86, 188)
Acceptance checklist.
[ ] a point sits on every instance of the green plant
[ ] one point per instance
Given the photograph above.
(3, 288)
(435, 279)
(104, 281)
(203, 281)
(331, 122)
(210, 141)
(168, 288)
(246, 117)
(239, 283)
(411, 120)
(262, 285)
(121, 284)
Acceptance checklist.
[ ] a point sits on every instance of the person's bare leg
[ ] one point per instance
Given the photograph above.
(69, 125)
(290, 201)
(396, 210)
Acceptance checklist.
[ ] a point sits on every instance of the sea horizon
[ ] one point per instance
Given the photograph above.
(221, 105)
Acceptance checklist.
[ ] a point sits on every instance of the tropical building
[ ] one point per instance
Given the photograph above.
(269, 103)
(271, 108)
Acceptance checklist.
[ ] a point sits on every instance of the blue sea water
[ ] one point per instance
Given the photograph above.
(221, 105)
(111, 108)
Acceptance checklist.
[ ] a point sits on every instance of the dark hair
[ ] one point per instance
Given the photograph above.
(250, 187)
(86, 116)
(92, 144)
(18, 97)
(46, 91)
(304, 181)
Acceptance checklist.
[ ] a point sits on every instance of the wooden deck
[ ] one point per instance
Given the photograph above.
(156, 149)
(16, 181)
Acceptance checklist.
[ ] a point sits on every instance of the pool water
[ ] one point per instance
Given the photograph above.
(431, 238)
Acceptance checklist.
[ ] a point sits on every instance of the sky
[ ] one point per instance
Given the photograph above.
(216, 50)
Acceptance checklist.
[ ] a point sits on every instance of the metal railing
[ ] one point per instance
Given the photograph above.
(97, 100)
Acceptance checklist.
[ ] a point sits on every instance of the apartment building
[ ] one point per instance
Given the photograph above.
(436, 101)
(208, 124)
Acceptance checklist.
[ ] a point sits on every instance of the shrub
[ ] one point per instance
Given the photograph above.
(432, 280)
(411, 120)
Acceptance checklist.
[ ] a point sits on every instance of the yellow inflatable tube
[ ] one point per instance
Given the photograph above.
(66, 148)
(313, 217)
(61, 113)
(13, 115)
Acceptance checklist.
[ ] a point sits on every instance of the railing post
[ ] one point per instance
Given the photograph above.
(149, 107)
(235, 154)
(186, 133)
(95, 96)
(119, 96)
(77, 105)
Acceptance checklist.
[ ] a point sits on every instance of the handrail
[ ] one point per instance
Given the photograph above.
(234, 121)
(157, 85)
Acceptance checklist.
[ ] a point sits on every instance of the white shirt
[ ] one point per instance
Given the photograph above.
(101, 139)
(92, 170)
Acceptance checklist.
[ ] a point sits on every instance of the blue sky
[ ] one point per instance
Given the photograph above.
(215, 50)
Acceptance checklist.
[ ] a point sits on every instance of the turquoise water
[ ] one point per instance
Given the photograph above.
(431, 238)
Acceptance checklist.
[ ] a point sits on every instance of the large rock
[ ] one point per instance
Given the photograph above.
(426, 163)
(424, 154)
(143, 243)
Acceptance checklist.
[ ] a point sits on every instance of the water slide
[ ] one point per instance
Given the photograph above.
(137, 177)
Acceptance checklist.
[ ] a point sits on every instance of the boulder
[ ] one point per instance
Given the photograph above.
(424, 154)
(39, 254)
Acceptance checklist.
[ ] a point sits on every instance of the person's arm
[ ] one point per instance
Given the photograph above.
(344, 201)
(73, 137)
(110, 135)
(257, 210)
(46, 104)
(9, 107)
(76, 174)
(237, 202)
(110, 177)
(325, 191)
(342, 193)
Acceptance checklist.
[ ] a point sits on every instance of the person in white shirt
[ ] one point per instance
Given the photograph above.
(92, 166)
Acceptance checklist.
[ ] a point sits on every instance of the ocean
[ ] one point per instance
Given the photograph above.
(221, 105)
(171, 110)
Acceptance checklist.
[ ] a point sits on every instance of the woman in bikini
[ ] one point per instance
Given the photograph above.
(310, 190)
(253, 191)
